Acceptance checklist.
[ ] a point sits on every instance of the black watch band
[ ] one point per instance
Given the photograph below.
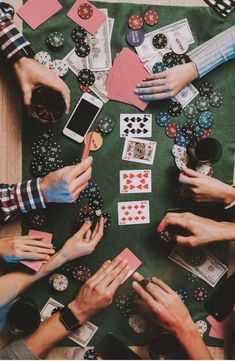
(69, 320)
(26, 52)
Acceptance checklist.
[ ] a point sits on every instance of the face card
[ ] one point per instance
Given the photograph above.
(133, 261)
(136, 125)
(135, 181)
(139, 150)
(136, 212)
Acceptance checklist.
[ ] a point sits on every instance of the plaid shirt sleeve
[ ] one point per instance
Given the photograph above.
(11, 40)
(216, 51)
(19, 198)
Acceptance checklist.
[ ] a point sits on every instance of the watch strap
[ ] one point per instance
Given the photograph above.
(74, 323)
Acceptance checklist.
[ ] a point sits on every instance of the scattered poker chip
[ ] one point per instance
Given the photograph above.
(170, 59)
(58, 282)
(60, 67)
(91, 354)
(82, 50)
(85, 214)
(198, 130)
(206, 89)
(159, 41)
(205, 168)
(81, 273)
(137, 323)
(43, 58)
(205, 120)
(84, 88)
(135, 37)
(182, 293)
(206, 132)
(37, 219)
(190, 111)
(175, 109)
(166, 236)
(135, 22)
(179, 44)
(216, 99)
(86, 77)
(55, 148)
(200, 294)
(107, 219)
(96, 141)
(192, 277)
(93, 190)
(105, 125)
(38, 168)
(96, 203)
(124, 305)
(201, 326)
(55, 41)
(158, 68)
(195, 257)
(85, 11)
(163, 119)
(178, 150)
(68, 267)
(182, 161)
(181, 140)
(171, 130)
(40, 149)
(46, 135)
(202, 103)
(188, 131)
(78, 34)
(151, 17)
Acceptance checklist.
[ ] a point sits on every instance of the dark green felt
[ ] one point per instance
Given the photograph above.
(141, 239)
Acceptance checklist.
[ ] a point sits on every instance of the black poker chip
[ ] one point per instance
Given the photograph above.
(92, 191)
(171, 59)
(200, 294)
(96, 203)
(40, 149)
(91, 354)
(37, 218)
(38, 168)
(188, 131)
(46, 135)
(78, 34)
(86, 77)
(107, 219)
(206, 89)
(55, 41)
(175, 109)
(182, 293)
(86, 213)
(159, 41)
(82, 49)
(202, 103)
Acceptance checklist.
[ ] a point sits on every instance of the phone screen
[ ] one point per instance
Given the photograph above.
(82, 117)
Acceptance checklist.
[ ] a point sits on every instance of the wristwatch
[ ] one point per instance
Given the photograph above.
(69, 320)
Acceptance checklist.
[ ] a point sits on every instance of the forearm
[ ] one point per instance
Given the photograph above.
(227, 231)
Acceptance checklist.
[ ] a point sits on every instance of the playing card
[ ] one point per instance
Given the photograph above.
(133, 261)
(136, 125)
(135, 181)
(139, 150)
(136, 212)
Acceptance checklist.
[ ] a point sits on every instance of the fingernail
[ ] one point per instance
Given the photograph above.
(136, 91)
(138, 85)
(67, 112)
(160, 229)
(134, 283)
(141, 97)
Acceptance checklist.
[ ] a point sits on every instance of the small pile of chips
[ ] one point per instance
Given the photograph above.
(60, 67)
(79, 36)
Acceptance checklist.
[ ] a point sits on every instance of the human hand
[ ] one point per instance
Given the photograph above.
(206, 189)
(25, 247)
(31, 75)
(83, 242)
(65, 184)
(200, 230)
(97, 293)
(167, 83)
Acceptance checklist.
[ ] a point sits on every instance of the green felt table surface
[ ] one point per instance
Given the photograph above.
(141, 239)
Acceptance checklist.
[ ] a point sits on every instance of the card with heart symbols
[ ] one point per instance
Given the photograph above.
(136, 212)
(135, 181)
(136, 125)
(139, 150)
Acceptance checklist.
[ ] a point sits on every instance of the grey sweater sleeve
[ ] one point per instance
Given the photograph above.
(17, 350)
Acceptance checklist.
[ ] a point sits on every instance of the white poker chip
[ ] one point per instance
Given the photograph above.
(201, 326)
(182, 160)
(179, 44)
(59, 282)
(137, 323)
(60, 67)
(43, 58)
(178, 150)
(205, 168)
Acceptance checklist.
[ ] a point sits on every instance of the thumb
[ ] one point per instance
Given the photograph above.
(27, 97)
(190, 172)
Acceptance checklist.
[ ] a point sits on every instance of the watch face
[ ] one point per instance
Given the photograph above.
(60, 282)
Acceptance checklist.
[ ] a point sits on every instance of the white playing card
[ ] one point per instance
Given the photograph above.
(136, 125)
(139, 150)
(136, 212)
(135, 181)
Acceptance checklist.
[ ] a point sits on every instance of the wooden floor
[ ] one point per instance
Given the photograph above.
(11, 152)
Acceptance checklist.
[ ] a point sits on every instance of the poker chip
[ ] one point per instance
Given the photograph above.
(135, 37)
(96, 141)
(135, 22)
(190, 111)
(55, 41)
(78, 34)
(151, 17)
(81, 273)
(198, 130)
(216, 99)
(166, 236)
(163, 119)
(86, 214)
(43, 58)
(200, 294)
(195, 257)
(205, 120)
(124, 305)
(137, 323)
(58, 282)
(158, 68)
(175, 109)
(105, 125)
(206, 132)
(206, 89)
(171, 130)
(202, 103)
(82, 50)
(171, 59)
(86, 77)
(37, 219)
(179, 44)
(60, 67)
(93, 190)
(182, 160)
(85, 11)
(46, 135)
(159, 41)
(205, 168)
(188, 131)
(68, 267)
(38, 168)
(91, 354)
(181, 140)
(201, 326)
(39, 149)
(84, 88)
(192, 277)
(96, 203)
(182, 293)
(107, 219)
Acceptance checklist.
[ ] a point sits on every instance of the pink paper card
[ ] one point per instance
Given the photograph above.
(93, 23)
(133, 261)
(46, 237)
(219, 329)
(36, 12)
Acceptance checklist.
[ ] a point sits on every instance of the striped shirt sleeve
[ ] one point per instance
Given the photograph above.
(214, 52)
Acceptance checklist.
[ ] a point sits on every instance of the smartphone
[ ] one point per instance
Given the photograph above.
(82, 117)
(110, 348)
(221, 302)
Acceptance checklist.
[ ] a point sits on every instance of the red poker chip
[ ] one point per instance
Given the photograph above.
(135, 22)
(151, 17)
(207, 132)
(85, 11)
(171, 130)
(81, 273)
(84, 88)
